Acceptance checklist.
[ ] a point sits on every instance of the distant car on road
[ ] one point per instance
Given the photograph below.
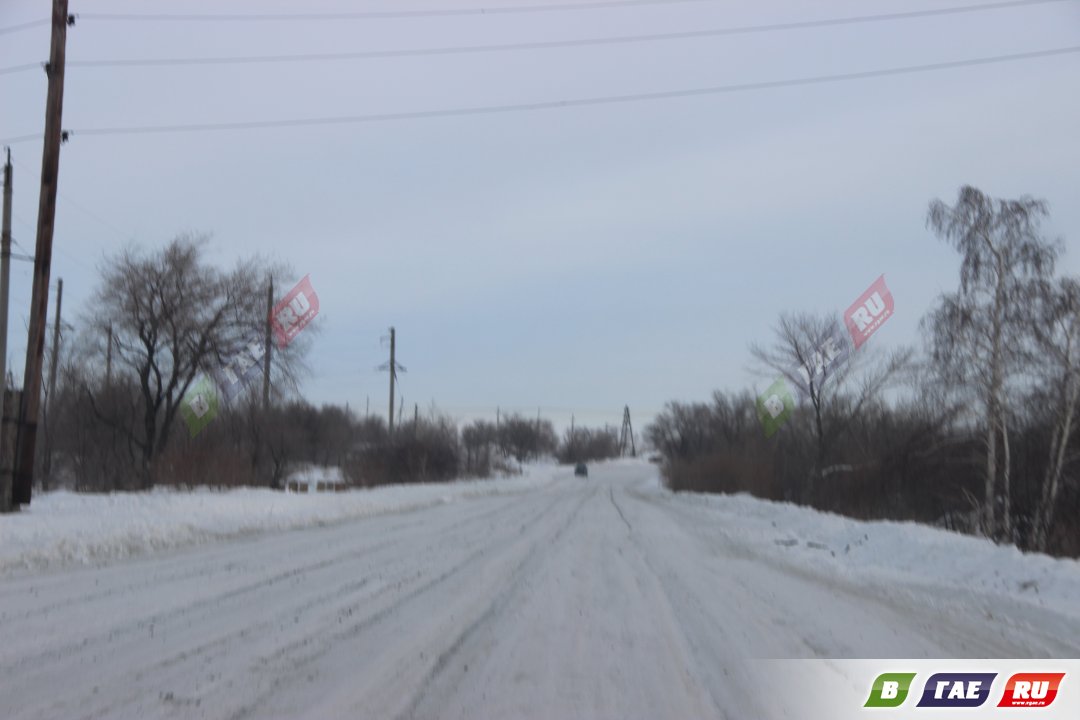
(581, 470)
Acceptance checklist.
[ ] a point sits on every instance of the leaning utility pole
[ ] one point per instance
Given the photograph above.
(39, 298)
(266, 350)
(5, 270)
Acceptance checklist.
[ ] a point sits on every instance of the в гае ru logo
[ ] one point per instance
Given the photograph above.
(890, 690)
(775, 406)
(957, 689)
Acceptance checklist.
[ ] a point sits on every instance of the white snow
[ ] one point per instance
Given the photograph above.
(551, 597)
(892, 553)
(63, 528)
(312, 474)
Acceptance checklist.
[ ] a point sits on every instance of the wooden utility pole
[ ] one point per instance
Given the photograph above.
(50, 400)
(39, 299)
(267, 349)
(5, 270)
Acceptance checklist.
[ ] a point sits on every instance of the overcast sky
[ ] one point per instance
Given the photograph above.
(576, 259)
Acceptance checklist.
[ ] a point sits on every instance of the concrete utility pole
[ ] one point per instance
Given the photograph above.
(5, 270)
(39, 300)
(266, 352)
(393, 376)
(393, 366)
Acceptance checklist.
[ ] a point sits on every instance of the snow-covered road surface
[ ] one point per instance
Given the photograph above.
(598, 598)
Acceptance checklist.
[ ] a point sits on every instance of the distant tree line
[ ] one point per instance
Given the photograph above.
(978, 433)
(159, 319)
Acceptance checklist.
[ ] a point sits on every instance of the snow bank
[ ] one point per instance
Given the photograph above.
(64, 528)
(893, 553)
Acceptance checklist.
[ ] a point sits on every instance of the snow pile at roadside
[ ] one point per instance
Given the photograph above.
(64, 528)
(889, 552)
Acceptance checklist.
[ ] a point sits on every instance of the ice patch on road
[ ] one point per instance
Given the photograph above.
(63, 528)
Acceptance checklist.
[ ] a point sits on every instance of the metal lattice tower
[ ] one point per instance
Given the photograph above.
(627, 434)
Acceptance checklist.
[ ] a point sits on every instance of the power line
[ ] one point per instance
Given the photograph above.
(24, 26)
(20, 68)
(83, 209)
(21, 139)
(383, 14)
(561, 104)
(542, 45)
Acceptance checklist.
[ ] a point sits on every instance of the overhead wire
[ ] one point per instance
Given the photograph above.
(24, 26)
(563, 104)
(452, 12)
(388, 14)
(81, 208)
(20, 68)
(362, 15)
(540, 45)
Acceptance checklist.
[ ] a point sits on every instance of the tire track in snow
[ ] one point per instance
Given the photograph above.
(498, 603)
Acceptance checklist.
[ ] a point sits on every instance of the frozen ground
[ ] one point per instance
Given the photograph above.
(600, 598)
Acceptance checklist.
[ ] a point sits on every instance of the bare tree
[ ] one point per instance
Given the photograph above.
(802, 355)
(796, 356)
(478, 440)
(978, 334)
(172, 315)
(524, 438)
(1056, 315)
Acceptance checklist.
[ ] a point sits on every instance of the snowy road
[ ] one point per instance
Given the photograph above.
(601, 598)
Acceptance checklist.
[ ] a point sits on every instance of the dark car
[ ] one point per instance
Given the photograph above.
(581, 470)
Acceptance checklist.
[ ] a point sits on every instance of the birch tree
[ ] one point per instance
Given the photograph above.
(1056, 316)
(978, 335)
